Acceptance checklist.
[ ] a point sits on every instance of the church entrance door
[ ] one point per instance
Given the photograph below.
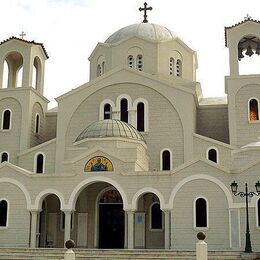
(111, 220)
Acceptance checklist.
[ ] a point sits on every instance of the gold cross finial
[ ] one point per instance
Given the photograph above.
(22, 34)
(247, 17)
(145, 9)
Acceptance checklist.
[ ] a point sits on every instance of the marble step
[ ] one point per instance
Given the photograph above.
(58, 254)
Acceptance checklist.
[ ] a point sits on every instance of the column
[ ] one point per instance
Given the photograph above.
(167, 229)
(34, 219)
(171, 230)
(130, 229)
(67, 225)
(126, 223)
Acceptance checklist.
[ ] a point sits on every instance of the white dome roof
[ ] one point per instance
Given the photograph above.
(110, 128)
(148, 31)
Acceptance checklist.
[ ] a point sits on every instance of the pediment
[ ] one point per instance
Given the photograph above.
(7, 167)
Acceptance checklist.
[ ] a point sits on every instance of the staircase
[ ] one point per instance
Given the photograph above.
(103, 254)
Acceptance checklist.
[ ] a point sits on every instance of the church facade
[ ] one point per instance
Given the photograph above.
(136, 157)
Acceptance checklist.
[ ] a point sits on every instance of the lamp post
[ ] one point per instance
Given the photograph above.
(246, 194)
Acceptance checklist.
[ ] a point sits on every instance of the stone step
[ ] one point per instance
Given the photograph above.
(95, 254)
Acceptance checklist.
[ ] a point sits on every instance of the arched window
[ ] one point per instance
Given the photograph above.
(124, 110)
(37, 124)
(103, 68)
(156, 216)
(253, 110)
(166, 160)
(6, 119)
(171, 66)
(99, 70)
(3, 213)
(178, 68)
(213, 155)
(39, 167)
(201, 218)
(107, 111)
(140, 117)
(5, 75)
(130, 61)
(258, 212)
(4, 157)
(139, 61)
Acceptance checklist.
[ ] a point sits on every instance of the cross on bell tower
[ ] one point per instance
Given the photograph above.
(145, 9)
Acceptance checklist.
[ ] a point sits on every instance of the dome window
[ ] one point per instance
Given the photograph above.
(124, 110)
(139, 64)
(253, 110)
(171, 66)
(6, 120)
(179, 68)
(131, 61)
(4, 157)
(107, 111)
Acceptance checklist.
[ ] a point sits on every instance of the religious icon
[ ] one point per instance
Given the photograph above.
(98, 164)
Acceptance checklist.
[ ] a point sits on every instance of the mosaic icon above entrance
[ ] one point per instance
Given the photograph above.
(98, 164)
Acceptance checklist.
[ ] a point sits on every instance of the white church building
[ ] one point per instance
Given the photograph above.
(136, 157)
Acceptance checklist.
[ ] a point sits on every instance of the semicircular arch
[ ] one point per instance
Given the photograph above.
(82, 185)
(146, 190)
(220, 184)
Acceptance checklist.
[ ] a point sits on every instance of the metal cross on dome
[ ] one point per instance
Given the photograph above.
(145, 9)
(22, 34)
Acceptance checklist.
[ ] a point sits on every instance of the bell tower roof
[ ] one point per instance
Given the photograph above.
(25, 41)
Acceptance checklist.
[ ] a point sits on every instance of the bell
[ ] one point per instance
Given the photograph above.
(240, 53)
(249, 51)
(257, 50)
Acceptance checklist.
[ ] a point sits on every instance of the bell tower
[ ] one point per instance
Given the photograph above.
(22, 65)
(242, 39)
(243, 91)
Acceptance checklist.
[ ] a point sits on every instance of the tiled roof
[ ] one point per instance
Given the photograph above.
(31, 42)
(244, 21)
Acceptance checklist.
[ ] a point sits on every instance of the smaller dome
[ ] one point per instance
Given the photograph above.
(110, 128)
(147, 31)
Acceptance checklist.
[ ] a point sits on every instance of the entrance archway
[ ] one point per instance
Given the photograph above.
(111, 219)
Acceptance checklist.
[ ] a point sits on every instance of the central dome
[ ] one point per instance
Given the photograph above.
(110, 128)
(147, 31)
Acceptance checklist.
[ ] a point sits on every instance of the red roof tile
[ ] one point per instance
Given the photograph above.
(31, 42)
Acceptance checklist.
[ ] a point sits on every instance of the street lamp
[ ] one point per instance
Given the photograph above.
(234, 186)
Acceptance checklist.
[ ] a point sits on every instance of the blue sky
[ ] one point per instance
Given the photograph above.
(70, 30)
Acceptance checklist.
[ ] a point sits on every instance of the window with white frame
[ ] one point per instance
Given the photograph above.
(140, 116)
(6, 119)
(156, 217)
(4, 157)
(139, 62)
(124, 110)
(258, 212)
(37, 124)
(39, 163)
(107, 111)
(212, 155)
(171, 66)
(3, 213)
(201, 213)
(166, 160)
(131, 61)
(179, 68)
(253, 109)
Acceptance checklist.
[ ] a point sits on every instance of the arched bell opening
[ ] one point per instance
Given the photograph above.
(49, 233)
(248, 55)
(149, 222)
(99, 217)
(13, 70)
